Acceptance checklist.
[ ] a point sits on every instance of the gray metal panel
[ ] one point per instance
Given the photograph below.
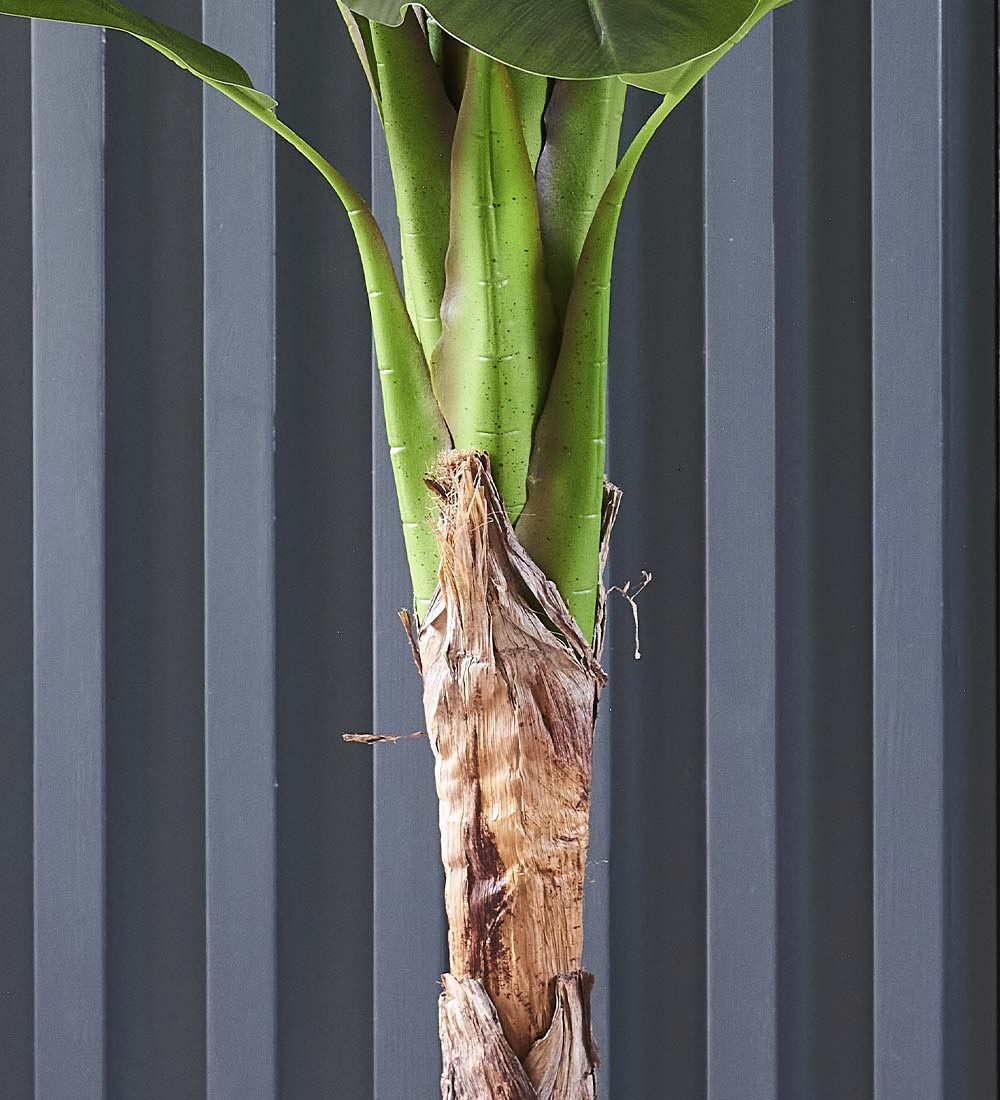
(797, 1017)
(68, 138)
(823, 599)
(16, 948)
(154, 577)
(657, 705)
(410, 931)
(908, 514)
(324, 568)
(970, 548)
(740, 575)
(240, 766)
(934, 359)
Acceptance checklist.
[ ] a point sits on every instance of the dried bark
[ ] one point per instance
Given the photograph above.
(478, 1060)
(510, 696)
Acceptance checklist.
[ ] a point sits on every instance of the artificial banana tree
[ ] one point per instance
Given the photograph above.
(502, 121)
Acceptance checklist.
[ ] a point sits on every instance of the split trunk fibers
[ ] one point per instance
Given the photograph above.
(510, 695)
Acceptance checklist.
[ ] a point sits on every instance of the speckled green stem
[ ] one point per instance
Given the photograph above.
(492, 367)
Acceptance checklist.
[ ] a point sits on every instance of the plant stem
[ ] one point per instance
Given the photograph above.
(560, 525)
(582, 129)
(492, 366)
(419, 123)
(415, 427)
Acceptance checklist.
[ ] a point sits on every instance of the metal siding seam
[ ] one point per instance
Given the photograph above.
(16, 627)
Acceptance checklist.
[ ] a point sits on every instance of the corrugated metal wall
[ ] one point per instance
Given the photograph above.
(205, 894)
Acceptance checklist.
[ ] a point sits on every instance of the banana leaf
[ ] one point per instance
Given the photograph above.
(187, 52)
(581, 39)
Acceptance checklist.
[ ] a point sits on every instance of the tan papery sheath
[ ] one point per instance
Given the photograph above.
(510, 698)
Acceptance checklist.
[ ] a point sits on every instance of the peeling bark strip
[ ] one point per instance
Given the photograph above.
(510, 696)
(478, 1061)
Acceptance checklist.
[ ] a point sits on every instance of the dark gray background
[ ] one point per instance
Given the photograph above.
(205, 893)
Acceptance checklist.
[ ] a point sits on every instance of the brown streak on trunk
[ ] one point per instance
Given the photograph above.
(510, 696)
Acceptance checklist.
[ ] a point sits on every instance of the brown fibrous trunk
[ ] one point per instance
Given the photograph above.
(511, 688)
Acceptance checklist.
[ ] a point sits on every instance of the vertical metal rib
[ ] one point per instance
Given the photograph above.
(908, 516)
(68, 216)
(324, 567)
(239, 570)
(154, 589)
(16, 672)
(410, 933)
(740, 575)
(657, 705)
(822, 181)
(970, 284)
(934, 400)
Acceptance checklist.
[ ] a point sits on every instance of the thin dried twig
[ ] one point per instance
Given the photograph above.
(625, 590)
(380, 738)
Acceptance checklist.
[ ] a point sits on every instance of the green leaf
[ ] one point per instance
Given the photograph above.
(581, 39)
(419, 123)
(678, 81)
(492, 367)
(187, 52)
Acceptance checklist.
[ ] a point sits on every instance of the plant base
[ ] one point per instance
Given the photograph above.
(510, 695)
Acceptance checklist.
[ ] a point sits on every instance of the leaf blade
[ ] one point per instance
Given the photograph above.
(195, 56)
(580, 39)
(678, 81)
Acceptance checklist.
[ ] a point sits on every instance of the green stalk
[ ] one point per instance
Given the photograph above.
(561, 523)
(582, 127)
(532, 94)
(419, 126)
(452, 60)
(492, 367)
(416, 430)
(560, 526)
(532, 91)
(360, 31)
